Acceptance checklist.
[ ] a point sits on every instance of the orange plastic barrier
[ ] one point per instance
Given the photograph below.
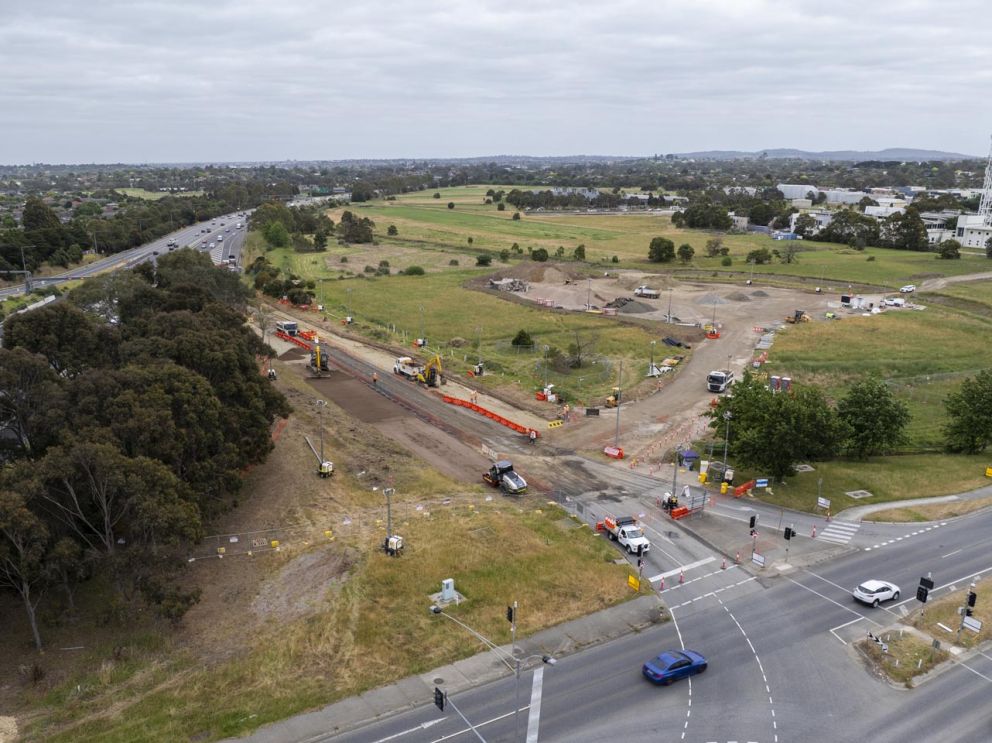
(613, 451)
(488, 413)
(742, 489)
(293, 339)
(679, 513)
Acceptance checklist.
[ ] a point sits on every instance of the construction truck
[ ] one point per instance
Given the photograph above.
(318, 358)
(289, 327)
(797, 316)
(614, 399)
(432, 374)
(719, 381)
(647, 292)
(407, 367)
(625, 531)
(502, 475)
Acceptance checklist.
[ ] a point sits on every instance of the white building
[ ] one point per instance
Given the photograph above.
(841, 196)
(822, 217)
(881, 212)
(972, 232)
(740, 223)
(797, 191)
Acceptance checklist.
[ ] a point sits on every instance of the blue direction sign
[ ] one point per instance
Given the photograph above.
(761, 482)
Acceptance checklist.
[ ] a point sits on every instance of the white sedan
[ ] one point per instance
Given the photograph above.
(908, 289)
(874, 592)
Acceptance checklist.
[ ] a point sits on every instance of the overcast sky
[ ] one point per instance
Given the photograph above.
(213, 80)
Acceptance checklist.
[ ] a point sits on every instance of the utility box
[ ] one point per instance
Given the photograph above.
(448, 589)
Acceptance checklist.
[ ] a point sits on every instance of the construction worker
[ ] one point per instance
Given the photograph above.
(533, 436)
(375, 377)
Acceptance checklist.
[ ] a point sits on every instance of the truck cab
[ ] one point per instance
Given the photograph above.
(719, 381)
(646, 291)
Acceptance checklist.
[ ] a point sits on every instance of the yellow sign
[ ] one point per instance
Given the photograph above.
(988, 471)
(221, 550)
(274, 543)
(634, 582)
(555, 424)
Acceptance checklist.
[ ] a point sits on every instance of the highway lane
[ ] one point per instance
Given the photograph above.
(187, 236)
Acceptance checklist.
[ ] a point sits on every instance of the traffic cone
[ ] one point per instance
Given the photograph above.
(723, 565)
(681, 577)
(737, 560)
(828, 515)
(662, 586)
(813, 535)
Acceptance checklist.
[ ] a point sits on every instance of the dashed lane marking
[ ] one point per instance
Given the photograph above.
(907, 536)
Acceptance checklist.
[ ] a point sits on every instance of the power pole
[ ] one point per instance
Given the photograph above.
(616, 439)
(511, 612)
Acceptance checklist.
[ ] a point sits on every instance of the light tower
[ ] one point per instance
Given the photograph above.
(985, 207)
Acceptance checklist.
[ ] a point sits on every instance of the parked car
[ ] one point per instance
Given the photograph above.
(908, 289)
(874, 592)
(672, 665)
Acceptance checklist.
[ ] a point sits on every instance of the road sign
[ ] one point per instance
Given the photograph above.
(823, 503)
(975, 625)
(758, 559)
(761, 482)
(927, 583)
(634, 582)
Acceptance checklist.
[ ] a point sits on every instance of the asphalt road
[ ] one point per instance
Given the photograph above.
(192, 236)
(780, 664)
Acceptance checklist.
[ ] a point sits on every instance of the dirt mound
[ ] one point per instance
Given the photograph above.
(711, 299)
(619, 302)
(738, 297)
(636, 307)
(302, 584)
(759, 293)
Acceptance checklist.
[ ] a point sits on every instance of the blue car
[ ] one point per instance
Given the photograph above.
(673, 665)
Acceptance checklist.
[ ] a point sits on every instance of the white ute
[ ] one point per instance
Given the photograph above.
(625, 531)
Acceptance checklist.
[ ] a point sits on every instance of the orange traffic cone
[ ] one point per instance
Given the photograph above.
(681, 577)
(662, 586)
(723, 565)
(737, 560)
(813, 535)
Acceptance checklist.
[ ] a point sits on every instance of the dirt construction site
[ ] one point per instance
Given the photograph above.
(657, 416)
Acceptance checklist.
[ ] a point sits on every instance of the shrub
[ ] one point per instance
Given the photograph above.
(522, 338)
(504, 255)
(483, 260)
(392, 230)
(383, 264)
(516, 216)
(451, 204)
(437, 195)
(871, 258)
(539, 254)
(726, 261)
(344, 259)
(414, 271)
(369, 269)
(453, 262)
(579, 253)
(614, 259)
(501, 207)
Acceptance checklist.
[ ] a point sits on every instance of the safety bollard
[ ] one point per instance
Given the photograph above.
(662, 586)
(813, 533)
(737, 560)
(681, 577)
(723, 564)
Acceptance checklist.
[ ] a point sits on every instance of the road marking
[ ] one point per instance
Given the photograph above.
(949, 554)
(534, 716)
(421, 726)
(965, 665)
(842, 626)
(682, 568)
(835, 603)
(688, 709)
(461, 732)
(757, 659)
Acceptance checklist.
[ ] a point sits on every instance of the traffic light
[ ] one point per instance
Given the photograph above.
(754, 521)
(509, 614)
(439, 698)
(968, 611)
(921, 594)
(789, 532)
(972, 598)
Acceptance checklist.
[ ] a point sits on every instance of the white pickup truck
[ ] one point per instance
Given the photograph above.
(625, 531)
(646, 291)
(407, 367)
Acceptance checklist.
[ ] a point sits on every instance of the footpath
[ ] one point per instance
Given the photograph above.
(414, 691)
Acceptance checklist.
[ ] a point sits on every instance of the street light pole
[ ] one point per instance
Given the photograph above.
(320, 423)
(516, 671)
(726, 416)
(589, 295)
(651, 369)
(671, 289)
(423, 333)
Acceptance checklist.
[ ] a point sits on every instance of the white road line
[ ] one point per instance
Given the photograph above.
(688, 710)
(827, 598)
(949, 554)
(833, 539)
(420, 727)
(459, 733)
(757, 658)
(534, 717)
(682, 568)
(965, 665)
(842, 626)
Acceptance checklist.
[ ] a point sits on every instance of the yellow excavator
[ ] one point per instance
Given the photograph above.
(432, 374)
(613, 400)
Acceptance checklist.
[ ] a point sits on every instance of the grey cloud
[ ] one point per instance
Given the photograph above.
(257, 79)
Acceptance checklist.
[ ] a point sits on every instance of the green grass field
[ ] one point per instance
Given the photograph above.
(420, 218)
(140, 193)
(924, 355)
(401, 308)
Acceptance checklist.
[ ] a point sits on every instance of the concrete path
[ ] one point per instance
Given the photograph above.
(857, 513)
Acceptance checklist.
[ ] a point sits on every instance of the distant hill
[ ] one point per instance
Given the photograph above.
(898, 154)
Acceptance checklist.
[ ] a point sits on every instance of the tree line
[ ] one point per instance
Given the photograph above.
(773, 431)
(128, 411)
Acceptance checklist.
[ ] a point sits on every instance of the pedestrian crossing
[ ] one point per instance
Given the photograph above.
(839, 532)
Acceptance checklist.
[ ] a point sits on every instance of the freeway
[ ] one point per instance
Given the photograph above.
(197, 236)
(781, 666)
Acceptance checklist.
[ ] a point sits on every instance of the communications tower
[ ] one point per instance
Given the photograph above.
(985, 207)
